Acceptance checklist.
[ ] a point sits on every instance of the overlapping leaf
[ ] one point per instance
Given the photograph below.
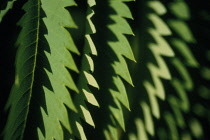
(43, 103)
(113, 47)
(182, 82)
(122, 49)
(86, 79)
(156, 66)
(173, 123)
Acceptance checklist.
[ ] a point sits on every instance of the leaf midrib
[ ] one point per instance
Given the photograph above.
(35, 60)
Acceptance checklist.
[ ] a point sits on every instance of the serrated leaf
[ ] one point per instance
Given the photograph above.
(3, 12)
(157, 67)
(121, 8)
(159, 24)
(113, 50)
(86, 79)
(41, 63)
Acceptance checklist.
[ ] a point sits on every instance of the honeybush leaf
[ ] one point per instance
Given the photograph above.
(40, 88)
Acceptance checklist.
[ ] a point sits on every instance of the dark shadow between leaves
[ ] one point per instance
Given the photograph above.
(41, 79)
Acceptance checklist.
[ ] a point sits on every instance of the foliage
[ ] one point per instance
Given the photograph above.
(114, 70)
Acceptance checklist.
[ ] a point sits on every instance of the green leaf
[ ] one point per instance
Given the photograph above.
(157, 6)
(121, 48)
(3, 12)
(182, 29)
(159, 49)
(173, 132)
(148, 119)
(141, 132)
(41, 71)
(182, 82)
(196, 128)
(184, 50)
(85, 79)
(156, 50)
(180, 10)
(113, 50)
(159, 92)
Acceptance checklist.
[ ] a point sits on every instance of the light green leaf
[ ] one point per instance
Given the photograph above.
(148, 119)
(196, 128)
(9, 6)
(113, 50)
(180, 10)
(173, 132)
(181, 28)
(157, 6)
(183, 49)
(85, 79)
(141, 132)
